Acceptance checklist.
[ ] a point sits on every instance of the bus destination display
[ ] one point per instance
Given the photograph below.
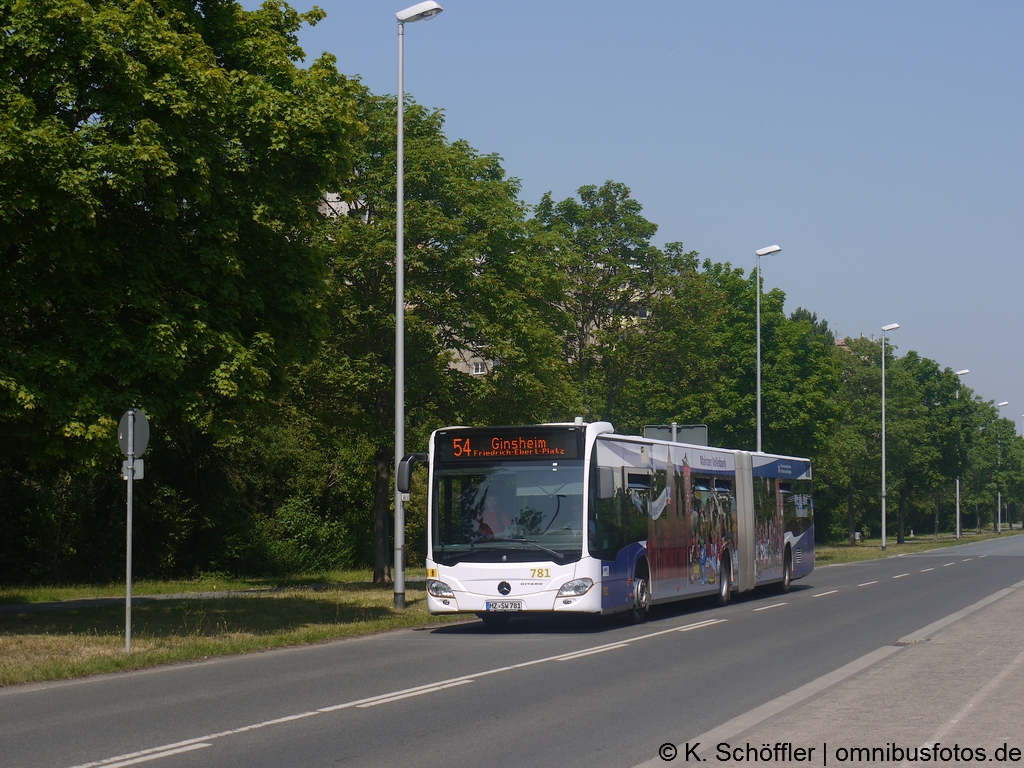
(473, 445)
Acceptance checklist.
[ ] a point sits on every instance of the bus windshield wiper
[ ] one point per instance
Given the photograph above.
(541, 547)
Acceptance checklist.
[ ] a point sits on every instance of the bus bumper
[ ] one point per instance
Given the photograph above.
(480, 592)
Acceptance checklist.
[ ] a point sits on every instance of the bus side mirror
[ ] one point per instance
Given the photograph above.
(605, 482)
(403, 481)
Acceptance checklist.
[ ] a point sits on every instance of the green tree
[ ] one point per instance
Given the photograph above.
(927, 440)
(848, 471)
(667, 362)
(820, 328)
(801, 375)
(475, 291)
(994, 463)
(928, 436)
(799, 372)
(610, 274)
(160, 167)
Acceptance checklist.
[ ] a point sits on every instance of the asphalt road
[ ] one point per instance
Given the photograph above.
(570, 692)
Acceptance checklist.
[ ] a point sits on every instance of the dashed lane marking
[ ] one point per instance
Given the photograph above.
(146, 755)
(389, 699)
(188, 745)
(579, 654)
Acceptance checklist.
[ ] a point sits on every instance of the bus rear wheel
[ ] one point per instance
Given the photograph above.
(787, 572)
(724, 573)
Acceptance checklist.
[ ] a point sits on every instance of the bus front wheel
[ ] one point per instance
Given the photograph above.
(641, 595)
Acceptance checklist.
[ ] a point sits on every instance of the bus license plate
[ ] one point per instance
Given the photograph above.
(505, 605)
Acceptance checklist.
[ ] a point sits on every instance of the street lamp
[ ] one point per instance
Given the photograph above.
(417, 12)
(964, 372)
(885, 329)
(759, 253)
(999, 463)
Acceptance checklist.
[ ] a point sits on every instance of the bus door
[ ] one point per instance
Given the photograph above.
(617, 521)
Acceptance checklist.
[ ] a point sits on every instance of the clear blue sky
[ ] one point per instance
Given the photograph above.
(880, 144)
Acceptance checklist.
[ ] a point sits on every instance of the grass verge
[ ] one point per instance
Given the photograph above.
(53, 645)
(207, 582)
(871, 549)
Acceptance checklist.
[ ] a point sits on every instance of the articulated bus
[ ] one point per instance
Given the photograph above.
(575, 518)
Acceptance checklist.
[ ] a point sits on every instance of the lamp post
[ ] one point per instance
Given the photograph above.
(759, 253)
(418, 12)
(964, 372)
(999, 463)
(885, 329)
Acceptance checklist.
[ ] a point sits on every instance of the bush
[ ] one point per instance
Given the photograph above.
(298, 540)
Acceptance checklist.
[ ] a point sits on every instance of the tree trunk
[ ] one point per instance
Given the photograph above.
(977, 517)
(936, 516)
(382, 494)
(849, 515)
(900, 539)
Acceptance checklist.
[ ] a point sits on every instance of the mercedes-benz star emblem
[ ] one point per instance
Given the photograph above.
(504, 587)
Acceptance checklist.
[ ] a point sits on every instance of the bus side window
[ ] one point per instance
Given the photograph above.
(638, 506)
(607, 501)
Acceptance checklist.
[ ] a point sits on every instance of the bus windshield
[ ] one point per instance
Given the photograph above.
(515, 511)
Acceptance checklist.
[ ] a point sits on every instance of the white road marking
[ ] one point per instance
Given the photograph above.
(145, 756)
(927, 569)
(389, 699)
(571, 656)
(158, 755)
(867, 583)
(948, 564)
(187, 745)
(769, 607)
(901, 576)
(822, 594)
(966, 559)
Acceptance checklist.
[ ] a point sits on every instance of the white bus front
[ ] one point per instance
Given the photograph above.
(506, 522)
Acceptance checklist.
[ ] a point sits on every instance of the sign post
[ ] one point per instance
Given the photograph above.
(133, 437)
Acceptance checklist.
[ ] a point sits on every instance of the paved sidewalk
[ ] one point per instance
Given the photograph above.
(955, 687)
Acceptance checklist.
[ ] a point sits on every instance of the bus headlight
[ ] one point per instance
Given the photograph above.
(439, 588)
(575, 588)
